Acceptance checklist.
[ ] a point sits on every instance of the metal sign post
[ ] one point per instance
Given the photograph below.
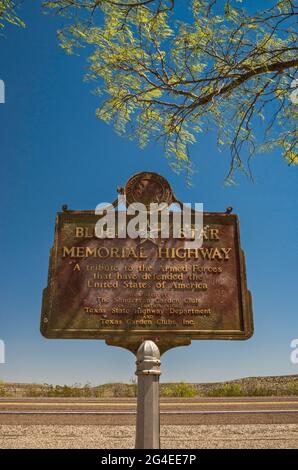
(134, 292)
(148, 372)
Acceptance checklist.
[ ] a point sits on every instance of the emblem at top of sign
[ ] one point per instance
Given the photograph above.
(147, 188)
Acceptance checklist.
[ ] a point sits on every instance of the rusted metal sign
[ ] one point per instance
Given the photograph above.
(127, 290)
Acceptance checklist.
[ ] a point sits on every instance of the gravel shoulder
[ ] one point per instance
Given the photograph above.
(122, 437)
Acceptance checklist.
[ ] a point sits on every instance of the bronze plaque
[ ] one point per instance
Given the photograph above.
(128, 290)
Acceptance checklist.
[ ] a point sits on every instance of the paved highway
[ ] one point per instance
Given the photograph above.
(185, 423)
(267, 410)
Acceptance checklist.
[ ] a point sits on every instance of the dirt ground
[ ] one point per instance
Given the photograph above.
(247, 436)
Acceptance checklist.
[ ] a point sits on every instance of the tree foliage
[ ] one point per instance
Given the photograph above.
(168, 79)
(8, 13)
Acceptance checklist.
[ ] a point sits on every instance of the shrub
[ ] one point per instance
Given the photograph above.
(293, 389)
(226, 390)
(2, 389)
(180, 390)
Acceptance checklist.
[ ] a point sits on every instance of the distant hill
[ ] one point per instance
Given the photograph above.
(284, 385)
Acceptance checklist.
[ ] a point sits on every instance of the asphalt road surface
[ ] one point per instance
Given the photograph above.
(182, 411)
(244, 423)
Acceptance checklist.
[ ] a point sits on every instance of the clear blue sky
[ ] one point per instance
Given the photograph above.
(54, 151)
